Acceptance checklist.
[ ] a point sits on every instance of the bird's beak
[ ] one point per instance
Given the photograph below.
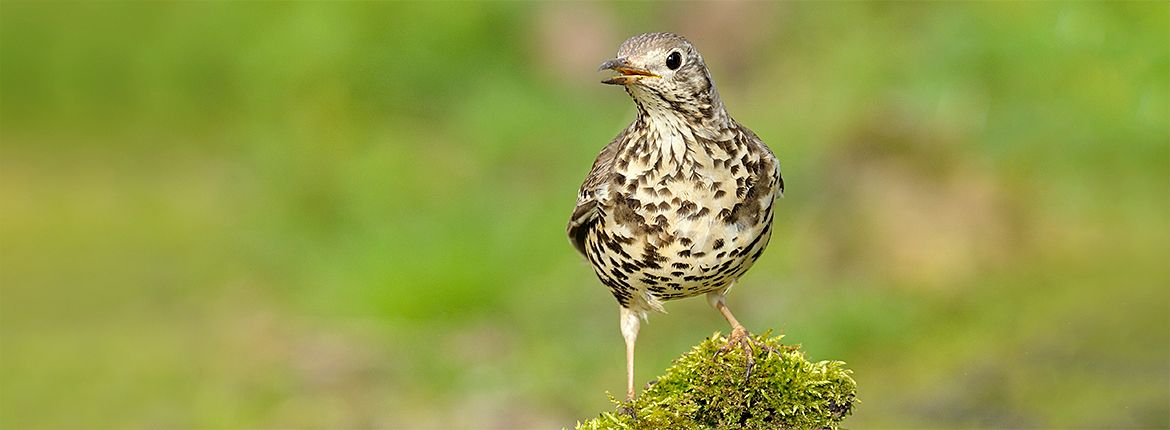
(628, 73)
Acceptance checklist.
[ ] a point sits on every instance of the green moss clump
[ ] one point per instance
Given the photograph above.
(702, 390)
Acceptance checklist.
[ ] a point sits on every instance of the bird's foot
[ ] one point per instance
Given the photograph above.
(740, 338)
(627, 408)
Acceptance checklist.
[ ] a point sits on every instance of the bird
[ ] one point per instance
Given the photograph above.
(680, 202)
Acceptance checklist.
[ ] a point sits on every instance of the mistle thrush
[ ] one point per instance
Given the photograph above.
(680, 203)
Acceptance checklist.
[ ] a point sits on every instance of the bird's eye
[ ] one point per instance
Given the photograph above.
(674, 60)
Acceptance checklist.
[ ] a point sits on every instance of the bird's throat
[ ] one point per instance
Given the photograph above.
(703, 113)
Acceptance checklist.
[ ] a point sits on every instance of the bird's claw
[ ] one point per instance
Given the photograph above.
(739, 336)
(627, 409)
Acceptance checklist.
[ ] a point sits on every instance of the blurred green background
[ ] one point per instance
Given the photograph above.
(351, 215)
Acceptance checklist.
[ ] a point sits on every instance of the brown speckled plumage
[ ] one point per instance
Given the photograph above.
(680, 203)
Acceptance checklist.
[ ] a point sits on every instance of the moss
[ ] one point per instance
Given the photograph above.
(703, 389)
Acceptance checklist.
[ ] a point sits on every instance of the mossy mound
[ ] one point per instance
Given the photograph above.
(705, 390)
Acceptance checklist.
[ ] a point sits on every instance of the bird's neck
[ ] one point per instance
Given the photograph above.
(673, 135)
(703, 114)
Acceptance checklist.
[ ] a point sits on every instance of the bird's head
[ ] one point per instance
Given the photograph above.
(663, 70)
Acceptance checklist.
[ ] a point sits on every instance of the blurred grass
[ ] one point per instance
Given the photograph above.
(322, 214)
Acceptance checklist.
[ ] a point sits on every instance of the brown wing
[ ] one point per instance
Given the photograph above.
(751, 138)
(592, 192)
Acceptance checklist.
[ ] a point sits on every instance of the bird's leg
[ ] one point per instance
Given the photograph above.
(630, 325)
(739, 335)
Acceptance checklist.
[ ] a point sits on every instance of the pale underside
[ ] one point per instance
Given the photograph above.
(667, 214)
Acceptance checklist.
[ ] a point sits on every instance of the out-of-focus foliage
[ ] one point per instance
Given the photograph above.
(343, 215)
(717, 386)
